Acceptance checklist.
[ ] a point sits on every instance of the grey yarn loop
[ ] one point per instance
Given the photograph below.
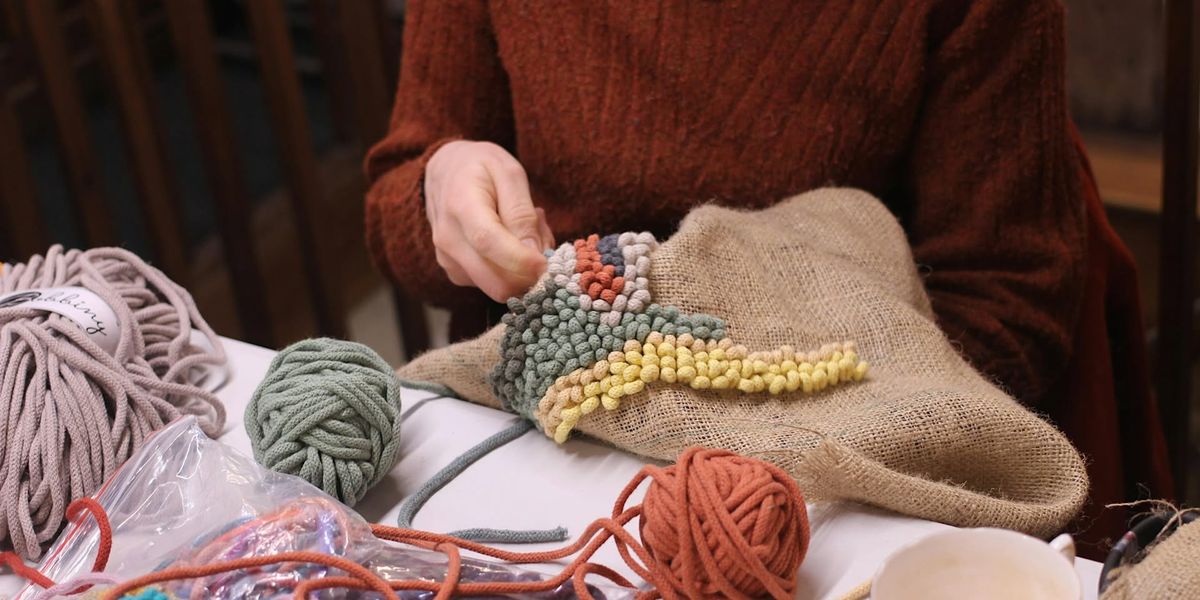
(430, 386)
(71, 413)
(328, 411)
(408, 510)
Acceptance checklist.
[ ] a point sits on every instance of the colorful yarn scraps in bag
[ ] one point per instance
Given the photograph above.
(313, 524)
(713, 525)
(590, 334)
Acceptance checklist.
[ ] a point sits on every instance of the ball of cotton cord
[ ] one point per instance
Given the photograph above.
(71, 412)
(328, 411)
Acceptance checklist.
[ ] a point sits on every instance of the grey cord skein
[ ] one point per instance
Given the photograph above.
(327, 411)
(70, 413)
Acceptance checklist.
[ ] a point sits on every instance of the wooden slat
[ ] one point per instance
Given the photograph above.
(1181, 128)
(71, 124)
(192, 35)
(11, 18)
(275, 240)
(414, 327)
(22, 226)
(1128, 170)
(294, 141)
(136, 27)
(121, 46)
(359, 24)
(359, 27)
(333, 66)
(233, 50)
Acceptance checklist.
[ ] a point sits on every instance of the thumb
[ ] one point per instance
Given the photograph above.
(515, 207)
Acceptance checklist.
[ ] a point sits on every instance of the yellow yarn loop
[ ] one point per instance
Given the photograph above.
(700, 364)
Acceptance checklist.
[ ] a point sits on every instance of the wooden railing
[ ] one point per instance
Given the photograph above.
(1177, 293)
(357, 59)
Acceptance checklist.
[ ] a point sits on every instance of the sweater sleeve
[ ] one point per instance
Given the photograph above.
(452, 86)
(996, 192)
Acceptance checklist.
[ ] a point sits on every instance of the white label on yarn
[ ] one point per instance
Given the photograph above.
(81, 305)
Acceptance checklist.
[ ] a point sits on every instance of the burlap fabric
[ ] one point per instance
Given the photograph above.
(924, 434)
(1171, 569)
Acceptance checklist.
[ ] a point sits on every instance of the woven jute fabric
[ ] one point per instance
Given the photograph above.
(1169, 570)
(924, 434)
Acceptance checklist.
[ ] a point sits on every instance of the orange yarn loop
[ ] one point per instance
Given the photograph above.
(714, 525)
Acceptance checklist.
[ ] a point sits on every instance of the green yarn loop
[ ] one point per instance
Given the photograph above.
(328, 412)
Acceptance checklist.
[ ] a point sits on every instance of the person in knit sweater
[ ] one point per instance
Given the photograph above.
(519, 123)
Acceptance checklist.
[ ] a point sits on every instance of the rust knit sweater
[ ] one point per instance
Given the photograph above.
(625, 115)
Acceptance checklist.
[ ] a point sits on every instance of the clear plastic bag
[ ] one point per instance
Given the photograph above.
(184, 499)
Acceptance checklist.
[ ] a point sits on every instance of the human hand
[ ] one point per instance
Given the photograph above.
(486, 230)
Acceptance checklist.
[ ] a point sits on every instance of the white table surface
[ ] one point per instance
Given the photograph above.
(534, 483)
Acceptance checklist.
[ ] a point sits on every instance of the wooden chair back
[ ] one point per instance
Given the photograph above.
(1177, 349)
(357, 52)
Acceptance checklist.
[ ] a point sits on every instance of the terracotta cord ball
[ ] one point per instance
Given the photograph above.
(725, 526)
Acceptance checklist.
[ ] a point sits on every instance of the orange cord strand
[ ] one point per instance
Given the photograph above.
(20, 569)
(89, 505)
(94, 509)
(453, 571)
(311, 585)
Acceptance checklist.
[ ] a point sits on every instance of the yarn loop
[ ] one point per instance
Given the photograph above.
(328, 411)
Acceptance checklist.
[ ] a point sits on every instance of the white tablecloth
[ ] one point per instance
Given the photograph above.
(534, 483)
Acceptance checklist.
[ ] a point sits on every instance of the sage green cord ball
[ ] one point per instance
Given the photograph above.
(328, 411)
